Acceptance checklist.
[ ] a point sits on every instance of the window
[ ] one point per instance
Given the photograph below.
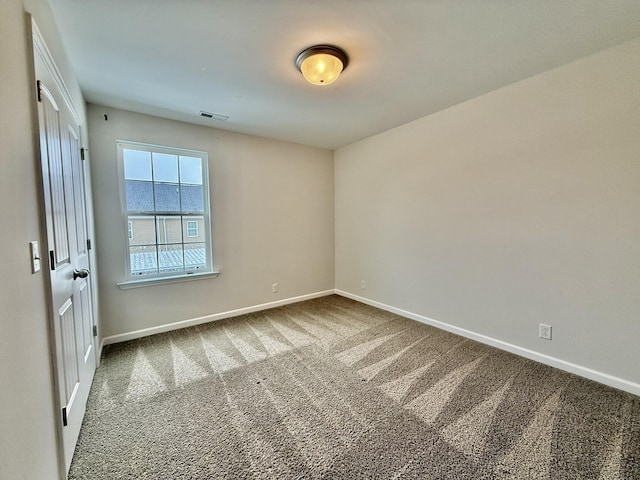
(165, 201)
(192, 228)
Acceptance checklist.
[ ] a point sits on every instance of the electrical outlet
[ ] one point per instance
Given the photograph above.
(544, 331)
(363, 284)
(275, 288)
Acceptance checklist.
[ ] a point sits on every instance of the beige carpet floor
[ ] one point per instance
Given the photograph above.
(333, 389)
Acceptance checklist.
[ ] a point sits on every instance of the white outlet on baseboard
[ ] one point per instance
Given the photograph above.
(275, 288)
(363, 284)
(544, 331)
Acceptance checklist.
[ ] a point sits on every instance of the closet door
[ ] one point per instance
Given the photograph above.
(68, 259)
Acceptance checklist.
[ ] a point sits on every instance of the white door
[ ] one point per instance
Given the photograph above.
(64, 198)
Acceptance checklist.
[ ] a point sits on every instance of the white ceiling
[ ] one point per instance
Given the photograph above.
(408, 58)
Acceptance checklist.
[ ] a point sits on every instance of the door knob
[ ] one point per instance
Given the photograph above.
(82, 273)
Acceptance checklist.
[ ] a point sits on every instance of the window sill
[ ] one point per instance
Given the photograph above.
(150, 282)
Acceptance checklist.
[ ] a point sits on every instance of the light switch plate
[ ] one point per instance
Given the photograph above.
(35, 256)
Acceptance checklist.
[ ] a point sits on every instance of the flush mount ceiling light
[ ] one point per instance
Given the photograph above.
(321, 64)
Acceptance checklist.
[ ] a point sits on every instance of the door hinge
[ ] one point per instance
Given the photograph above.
(39, 91)
(95, 330)
(64, 416)
(82, 153)
(88, 244)
(52, 260)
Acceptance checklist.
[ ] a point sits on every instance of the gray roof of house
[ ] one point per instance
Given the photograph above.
(145, 196)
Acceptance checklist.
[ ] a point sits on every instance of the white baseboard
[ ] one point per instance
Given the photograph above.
(579, 370)
(123, 337)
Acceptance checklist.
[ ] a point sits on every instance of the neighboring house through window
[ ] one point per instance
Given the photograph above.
(165, 202)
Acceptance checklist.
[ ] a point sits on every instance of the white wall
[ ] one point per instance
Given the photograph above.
(272, 218)
(518, 207)
(27, 428)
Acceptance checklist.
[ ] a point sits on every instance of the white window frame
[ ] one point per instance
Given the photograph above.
(132, 281)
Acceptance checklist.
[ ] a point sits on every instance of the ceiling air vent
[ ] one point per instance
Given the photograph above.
(214, 116)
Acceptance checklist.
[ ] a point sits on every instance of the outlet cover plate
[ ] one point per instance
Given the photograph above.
(544, 331)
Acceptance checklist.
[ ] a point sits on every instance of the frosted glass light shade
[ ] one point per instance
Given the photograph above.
(321, 69)
(322, 64)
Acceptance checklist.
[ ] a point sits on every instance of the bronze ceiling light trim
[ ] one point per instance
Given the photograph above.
(322, 64)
